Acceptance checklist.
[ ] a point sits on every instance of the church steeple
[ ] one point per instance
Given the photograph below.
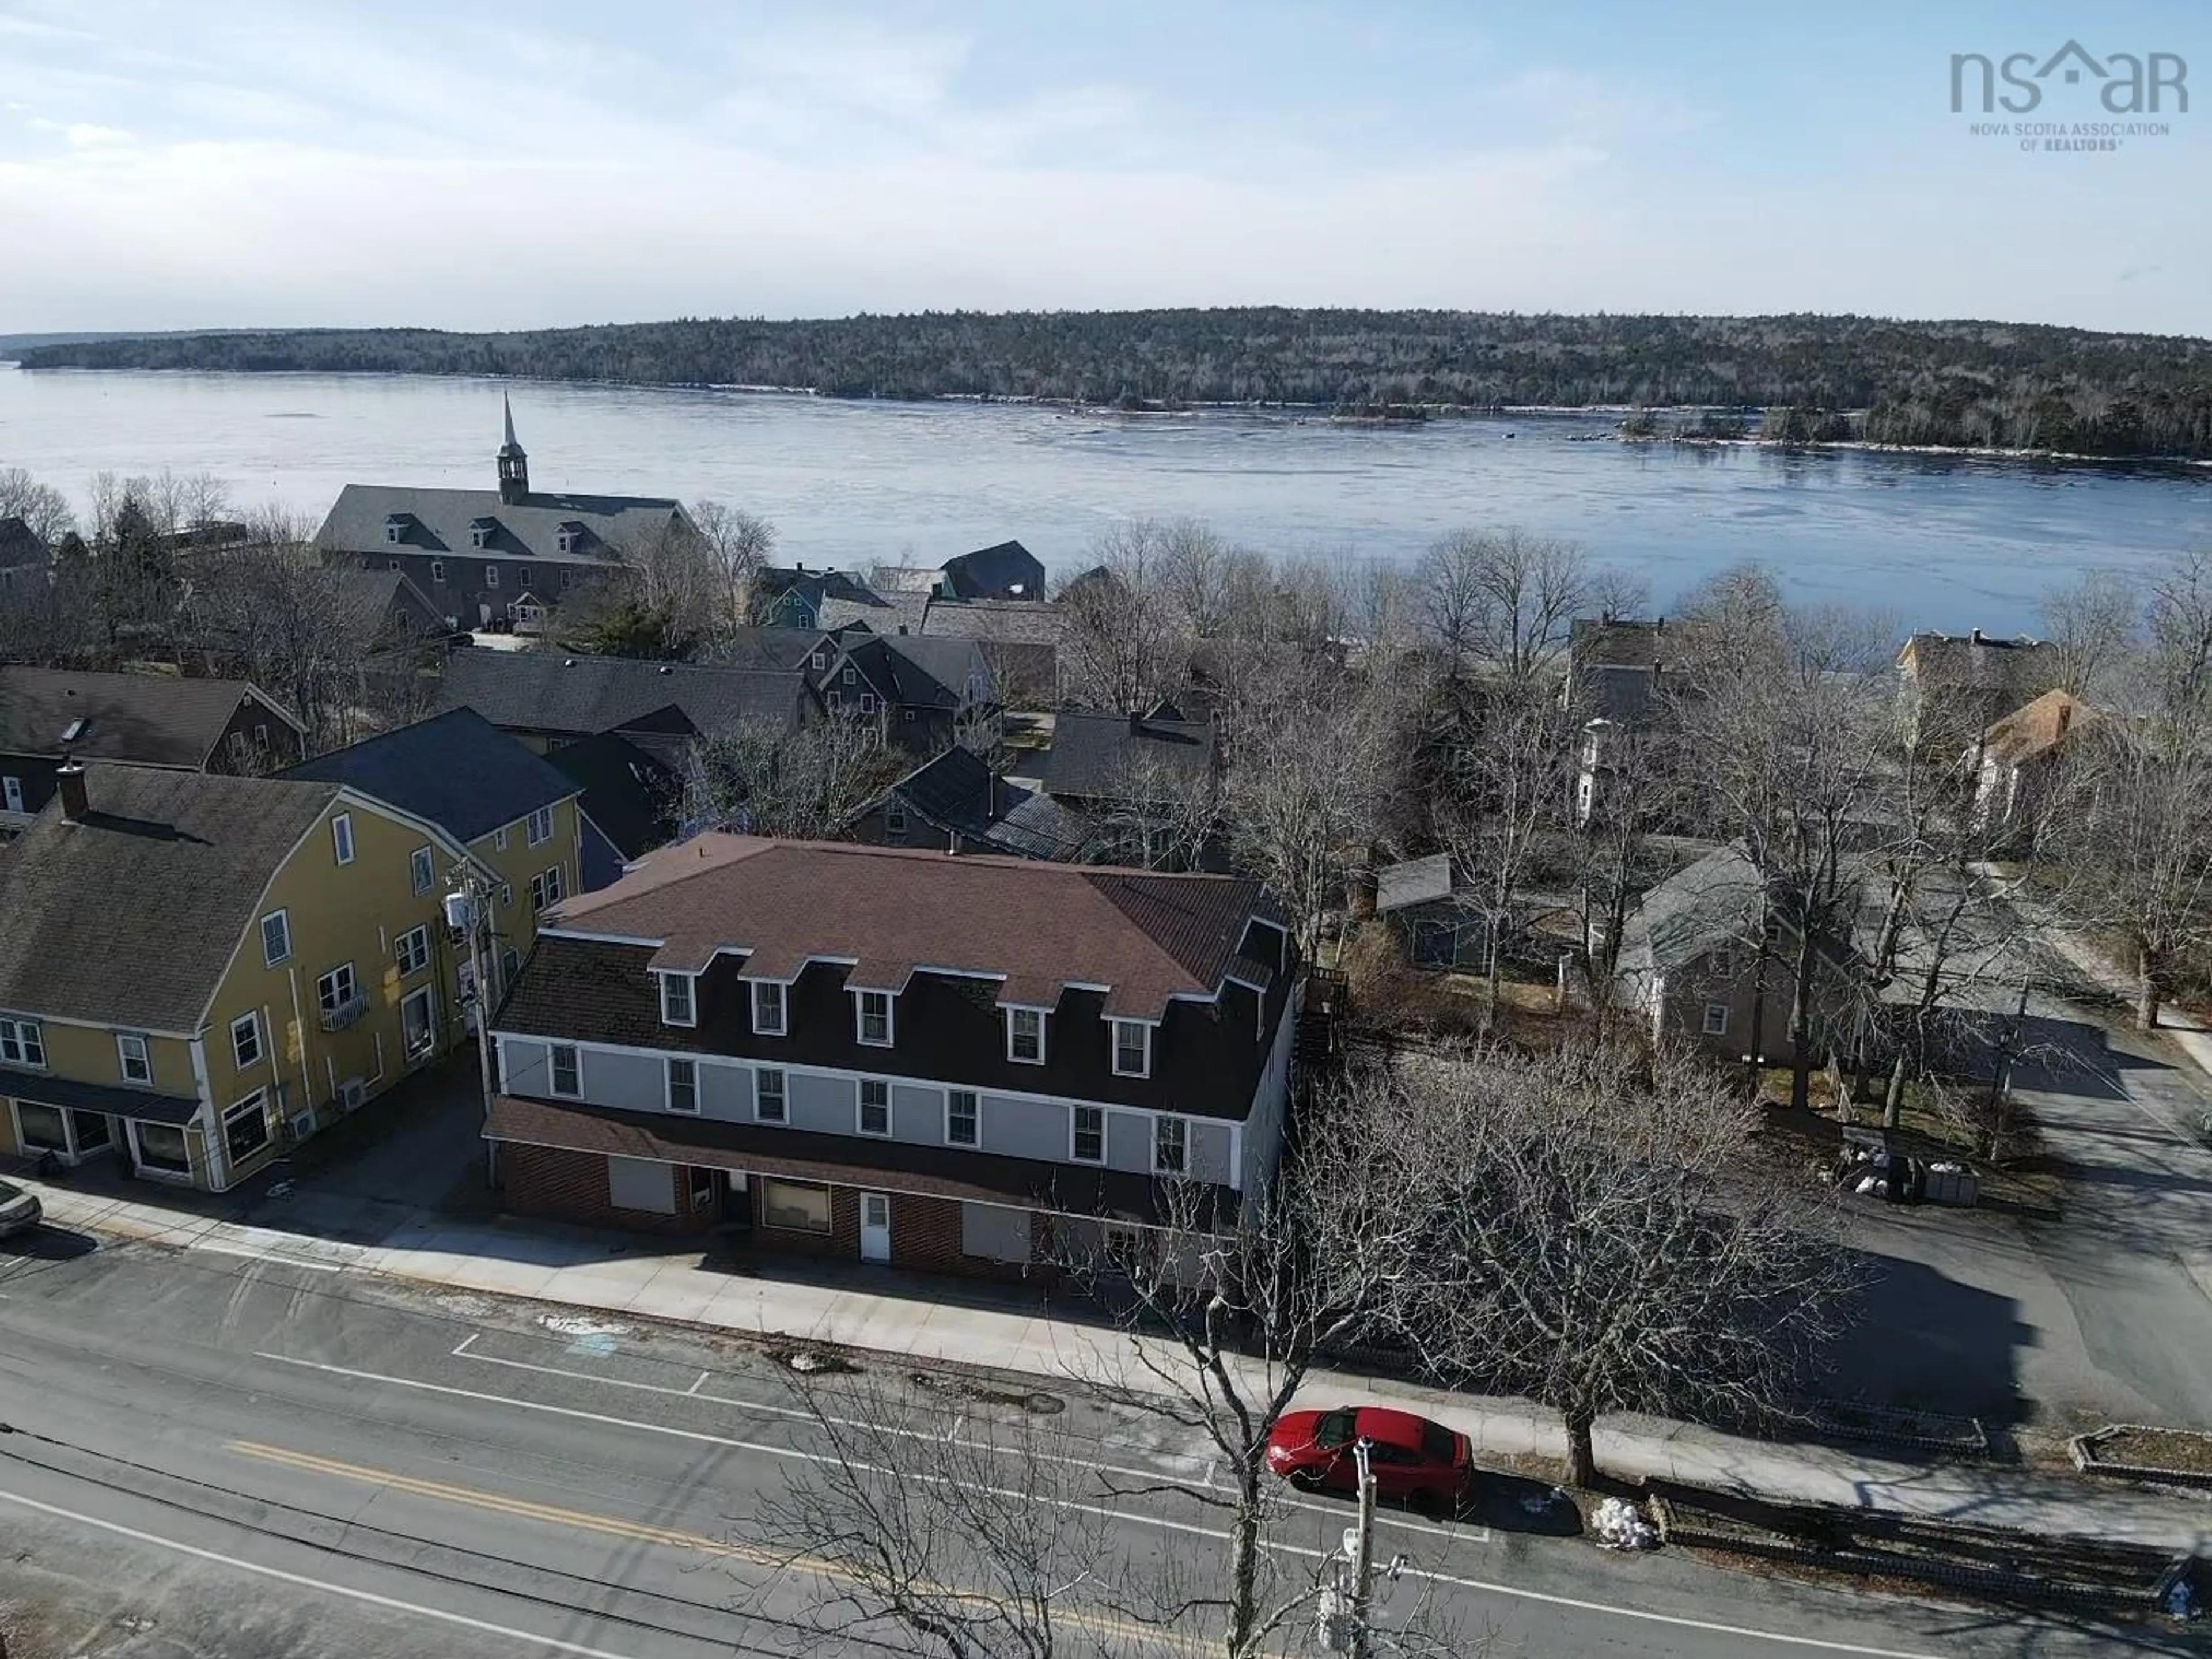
(513, 465)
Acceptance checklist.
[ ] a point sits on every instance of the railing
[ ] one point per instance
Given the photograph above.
(346, 1015)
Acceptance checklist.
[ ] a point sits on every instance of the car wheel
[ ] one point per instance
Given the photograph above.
(1306, 1479)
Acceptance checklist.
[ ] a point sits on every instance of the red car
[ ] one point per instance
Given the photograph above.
(1415, 1461)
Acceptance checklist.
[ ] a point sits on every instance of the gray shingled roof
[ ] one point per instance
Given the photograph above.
(455, 770)
(630, 792)
(438, 521)
(1717, 901)
(2026, 667)
(1417, 881)
(919, 672)
(1007, 622)
(765, 647)
(954, 792)
(884, 613)
(548, 691)
(156, 719)
(130, 918)
(1099, 756)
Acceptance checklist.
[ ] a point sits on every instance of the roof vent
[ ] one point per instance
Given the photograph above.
(74, 729)
(569, 662)
(665, 669)
(1976, 637)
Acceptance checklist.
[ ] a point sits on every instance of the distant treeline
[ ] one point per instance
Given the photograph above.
(1998, 385)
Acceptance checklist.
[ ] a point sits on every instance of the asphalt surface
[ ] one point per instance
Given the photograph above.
(245, 1458)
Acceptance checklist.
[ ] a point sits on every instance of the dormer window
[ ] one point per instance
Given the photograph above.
(678, 1006)
(569, 539)
(874, 1010)
(1025, 1036)
(483, 531)
(1132, 1047)
(769, 1012)
(395, 529)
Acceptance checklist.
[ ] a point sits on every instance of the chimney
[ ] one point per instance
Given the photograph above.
(1977, 637)
(1136, 722)
(1659, 627)
(75, 808)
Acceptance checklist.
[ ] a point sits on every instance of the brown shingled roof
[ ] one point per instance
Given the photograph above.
(1146, 936)
(2035, 729)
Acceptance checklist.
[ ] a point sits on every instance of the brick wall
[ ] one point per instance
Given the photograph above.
(571, 1187)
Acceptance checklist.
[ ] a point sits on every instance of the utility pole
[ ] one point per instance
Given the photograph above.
(468, 906)
(1345, 1604)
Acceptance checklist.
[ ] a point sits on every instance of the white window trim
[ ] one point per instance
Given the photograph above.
(268, 961)
(1709, 1028)
(690, 999)
(1043, 1018)
(889, 1039)
(1114, 1036)
(423, 859)
(1073, 1157)
(353, 987)
(18, 1025)
(491, 578)
(860, 1109)
(438, 570)
(976, 1095)
(252, 1020)
(553, 1071)
(1166, 1118)
(123, 1060)
(753, 988)
(529, 826)
(342, 847)
(257, 1103)
(401, 954)
(783, 1094)
(498, 839)
(668, 1084)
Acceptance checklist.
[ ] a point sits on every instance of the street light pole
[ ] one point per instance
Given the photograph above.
(1363, 1553)
(468, 908)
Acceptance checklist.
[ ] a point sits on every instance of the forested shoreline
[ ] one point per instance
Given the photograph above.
(1804, 377)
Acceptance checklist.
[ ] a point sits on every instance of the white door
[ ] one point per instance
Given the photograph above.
(12, 789)
(875, 1227)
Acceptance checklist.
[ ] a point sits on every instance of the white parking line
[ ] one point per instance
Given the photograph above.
(214, 1248)
(1468, 1533)
(1817, 1643)
(392, 1604)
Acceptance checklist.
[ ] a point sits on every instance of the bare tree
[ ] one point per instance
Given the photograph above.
(41, 506)
(671, 572)
(738, 545)
(52, 623)
(1161, 814)
(1585, 1237)
(1617, 855)
(1223, 1321)
(1116, 648)
(1309, 771)
(2092, 620)
(1793, 732)
(267, 609)
(1195, 566)
(1505, 599)
(976, 1539)
(1511, 786)
(764, 778)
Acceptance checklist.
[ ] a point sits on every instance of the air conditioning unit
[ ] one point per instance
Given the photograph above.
(352, 1093)
(301, 1124)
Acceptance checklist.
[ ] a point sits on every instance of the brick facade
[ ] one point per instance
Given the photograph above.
(925, 1233)
(571, 1187)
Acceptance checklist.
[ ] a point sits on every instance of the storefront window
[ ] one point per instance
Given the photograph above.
(245, 1128)
(161, 1146)
(43, 1128)
(795, 1205)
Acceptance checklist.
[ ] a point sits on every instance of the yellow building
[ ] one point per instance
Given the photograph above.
(197, 971)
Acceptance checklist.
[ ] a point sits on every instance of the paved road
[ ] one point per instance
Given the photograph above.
(214, 1456)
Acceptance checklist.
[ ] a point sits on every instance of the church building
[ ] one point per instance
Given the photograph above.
(495, 559)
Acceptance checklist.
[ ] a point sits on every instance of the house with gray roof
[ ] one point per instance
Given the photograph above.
(1020, 637)
(1005, 570)
(956, 802)
(1707, 957)
(490, 558)
(548, 698)
(1956, 685)
(925, 693)
(23, 555)
(1421, 899)
(49, 714)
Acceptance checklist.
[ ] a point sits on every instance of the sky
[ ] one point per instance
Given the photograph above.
(235, 164)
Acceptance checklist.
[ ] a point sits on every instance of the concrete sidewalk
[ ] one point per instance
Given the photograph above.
(612, 1274)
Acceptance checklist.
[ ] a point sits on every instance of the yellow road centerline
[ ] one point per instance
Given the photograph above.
(645, 1532)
